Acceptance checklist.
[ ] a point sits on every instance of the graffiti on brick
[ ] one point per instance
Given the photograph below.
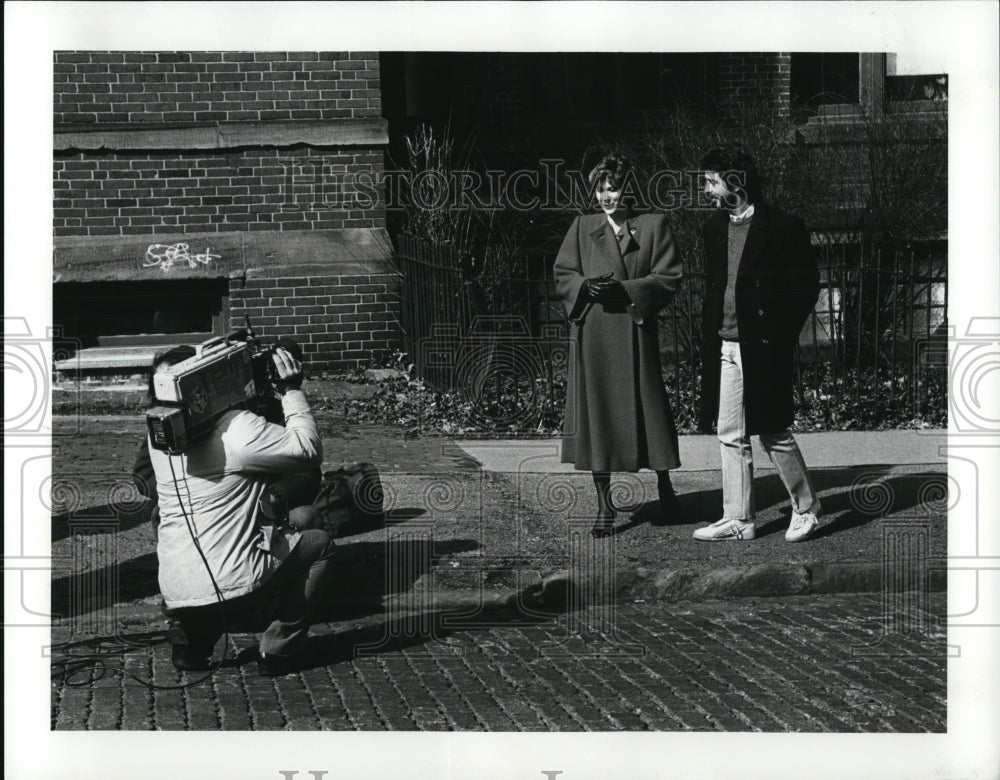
(165, 255)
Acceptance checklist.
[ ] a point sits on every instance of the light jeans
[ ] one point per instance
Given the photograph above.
(737, 457)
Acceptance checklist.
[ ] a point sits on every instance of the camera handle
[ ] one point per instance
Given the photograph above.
(224, 341)
(207, 346)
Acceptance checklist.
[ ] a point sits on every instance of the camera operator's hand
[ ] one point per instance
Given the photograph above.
(289, 371)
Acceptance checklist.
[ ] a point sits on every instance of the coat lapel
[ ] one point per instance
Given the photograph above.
(756, 239)
(630, 251)
(606, 242)
(717, 238)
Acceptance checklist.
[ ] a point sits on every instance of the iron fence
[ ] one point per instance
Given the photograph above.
(879, 324)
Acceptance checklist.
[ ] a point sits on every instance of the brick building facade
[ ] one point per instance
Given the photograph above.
(192, 188)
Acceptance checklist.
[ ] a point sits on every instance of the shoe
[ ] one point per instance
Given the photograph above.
(604, 526)
(185, 659)
(802, 526)
(726, 530)
(276, 665)
(670, 510)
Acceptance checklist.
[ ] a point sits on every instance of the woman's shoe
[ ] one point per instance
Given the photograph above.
(670, 509)
(604, 526)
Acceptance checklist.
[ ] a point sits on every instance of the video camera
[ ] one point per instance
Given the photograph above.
(226, 372)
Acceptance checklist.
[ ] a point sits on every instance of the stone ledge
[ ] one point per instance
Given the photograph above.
(109, 359)
(225, 135)
(230, 254)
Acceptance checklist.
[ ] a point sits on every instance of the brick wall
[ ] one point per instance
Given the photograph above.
(339, 320)
(748, 78)
(195, 87)
(240, 145)
(117, 193)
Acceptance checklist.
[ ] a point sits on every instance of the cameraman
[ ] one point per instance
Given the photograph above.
(142, 470)
(211, 520)
(288, 497)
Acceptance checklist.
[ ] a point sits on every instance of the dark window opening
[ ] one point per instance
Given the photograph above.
(106, 314)
(822, 79)
(619, 87)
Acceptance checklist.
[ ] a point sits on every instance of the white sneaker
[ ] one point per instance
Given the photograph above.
(802, 526)
(725, 530)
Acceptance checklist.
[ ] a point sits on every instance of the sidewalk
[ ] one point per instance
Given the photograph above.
(482, 603)
(501, 525)
(701, 453)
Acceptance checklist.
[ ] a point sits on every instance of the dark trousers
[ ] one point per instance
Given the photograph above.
(288, 598)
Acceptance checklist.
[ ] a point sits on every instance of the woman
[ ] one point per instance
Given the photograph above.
(615, 271)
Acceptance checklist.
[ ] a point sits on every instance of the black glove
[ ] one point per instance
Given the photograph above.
(610, 291)
(590, 291)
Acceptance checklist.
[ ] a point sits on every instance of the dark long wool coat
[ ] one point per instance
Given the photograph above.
(618, 416)
(777, 285)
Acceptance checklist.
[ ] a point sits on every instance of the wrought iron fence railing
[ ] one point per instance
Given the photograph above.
(878, 325)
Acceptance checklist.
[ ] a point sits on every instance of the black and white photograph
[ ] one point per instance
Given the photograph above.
(555, 390)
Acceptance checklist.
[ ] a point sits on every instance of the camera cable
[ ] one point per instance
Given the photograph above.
(73, 664)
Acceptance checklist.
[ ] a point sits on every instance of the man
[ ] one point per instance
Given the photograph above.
(288, 497)
(142, 470)
(219, 555)
(762, 283)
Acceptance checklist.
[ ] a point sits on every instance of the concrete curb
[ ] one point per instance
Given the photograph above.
(763, 580)
(562, 591)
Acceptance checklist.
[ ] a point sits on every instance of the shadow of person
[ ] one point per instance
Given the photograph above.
(696, 506)
(106, 516)
(363, 525)
(101, 588)
(411, 629)
(365, 573)
(851, 496)
(383, 637)
(876, 496)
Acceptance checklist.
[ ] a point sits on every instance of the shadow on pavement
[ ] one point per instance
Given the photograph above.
(103, 516)
(862, 494)
(364, 525)
(365, 572)
(101, 588)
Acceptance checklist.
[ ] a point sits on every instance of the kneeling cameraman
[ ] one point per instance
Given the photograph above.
(219, 555)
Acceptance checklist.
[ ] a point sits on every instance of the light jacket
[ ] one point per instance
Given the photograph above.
(211, 492)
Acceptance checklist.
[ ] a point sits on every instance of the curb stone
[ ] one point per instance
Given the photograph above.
(556, 592)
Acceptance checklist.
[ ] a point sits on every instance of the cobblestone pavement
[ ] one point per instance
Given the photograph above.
(813, 664)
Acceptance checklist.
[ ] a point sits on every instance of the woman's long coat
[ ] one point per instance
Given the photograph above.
(618, 416)
(777, 284)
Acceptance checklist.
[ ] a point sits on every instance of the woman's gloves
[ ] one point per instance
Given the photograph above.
(604, 289)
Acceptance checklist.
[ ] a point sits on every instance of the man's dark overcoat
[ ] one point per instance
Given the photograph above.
(617, 413)
(777, 285)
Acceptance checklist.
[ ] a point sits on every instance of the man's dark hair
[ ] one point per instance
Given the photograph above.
(612, 167)
(737, 169)
(171, 357)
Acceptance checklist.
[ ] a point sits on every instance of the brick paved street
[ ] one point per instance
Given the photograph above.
(812, 664)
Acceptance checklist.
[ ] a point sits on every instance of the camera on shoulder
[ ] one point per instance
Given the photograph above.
(225, 373)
